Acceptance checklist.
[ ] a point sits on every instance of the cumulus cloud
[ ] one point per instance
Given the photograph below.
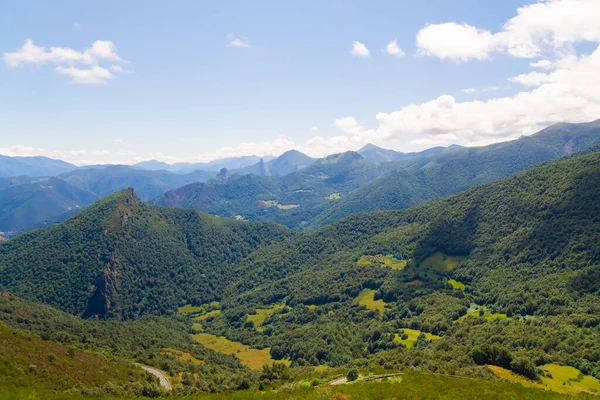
(95, 74)
(80, 66)
(393, 49)
(235, 41)
(360, 50)
(537, 28)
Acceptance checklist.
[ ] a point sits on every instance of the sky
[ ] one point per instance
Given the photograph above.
(191, 81)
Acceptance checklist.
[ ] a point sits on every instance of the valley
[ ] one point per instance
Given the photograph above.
(428, 295)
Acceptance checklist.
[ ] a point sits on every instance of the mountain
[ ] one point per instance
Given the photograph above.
(147, 184)
(459, 168)
(291, 199)
(288, 162)
(32, 202)
(347, 183)
(123, 258)
(377, 154)
(498, 279)
(27, 202)
(497, 272)
(231, 163)
(32, 166)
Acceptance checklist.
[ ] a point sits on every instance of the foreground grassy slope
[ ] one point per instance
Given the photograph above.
(412, 386)
(29, 361)
(162, 342)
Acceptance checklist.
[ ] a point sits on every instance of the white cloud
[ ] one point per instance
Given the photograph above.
(69, 61)
(238, 42)
(76, 26)
(94, 75)
(470, 90)
(537, 28)
(490, 88)
(454, 41)
(116, 68)
(393, 49)
(438, 140)
(314, 128)
(360, 50)
(116, 140)
(544, 64)
(29, 53)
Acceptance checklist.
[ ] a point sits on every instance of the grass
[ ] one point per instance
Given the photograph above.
(367, 298)
(262, 314)
(264, 204)
(456, 284)
(190, 309)
(251, 358)
(563, 379)
(29, 361)
(441, 262)
(207, 315)
(474, 311)
(386, 261)
(413, 335)
(569, 380)
(182, 355)
(413, 386)
(334, 196)
(202, 309)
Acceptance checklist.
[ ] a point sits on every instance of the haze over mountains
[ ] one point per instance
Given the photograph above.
(292, 189)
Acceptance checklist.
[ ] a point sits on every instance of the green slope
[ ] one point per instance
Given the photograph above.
(457, 169)
(525, 246)
(123, 258)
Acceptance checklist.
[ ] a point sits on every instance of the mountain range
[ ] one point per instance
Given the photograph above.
(343, 184)
(293, 189)
(498, 280)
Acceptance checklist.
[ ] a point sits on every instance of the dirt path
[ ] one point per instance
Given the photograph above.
(339, 381)
(164, 382)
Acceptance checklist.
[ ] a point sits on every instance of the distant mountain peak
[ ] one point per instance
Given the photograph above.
(369, 147)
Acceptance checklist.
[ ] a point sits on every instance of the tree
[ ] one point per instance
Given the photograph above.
(352, 375)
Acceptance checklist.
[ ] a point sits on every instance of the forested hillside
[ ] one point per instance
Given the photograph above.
(459, 168)
(344, 184)
(290, 200)
(122, 258)
(483, 269)
(496, 281)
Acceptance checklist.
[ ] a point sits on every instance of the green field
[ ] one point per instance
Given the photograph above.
(385, 261)
(441, 262)
(251, 358)
(562, 379)
(413, 335)
(367, 298)
(474, 311)
(204, 316)
(262, 314)
(456, 284)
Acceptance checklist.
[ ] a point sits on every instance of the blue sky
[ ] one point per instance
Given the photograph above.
(183, 92)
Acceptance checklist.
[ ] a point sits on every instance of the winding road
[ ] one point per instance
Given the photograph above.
(164, 382)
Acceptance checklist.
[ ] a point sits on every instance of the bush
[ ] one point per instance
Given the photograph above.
(352, 375)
